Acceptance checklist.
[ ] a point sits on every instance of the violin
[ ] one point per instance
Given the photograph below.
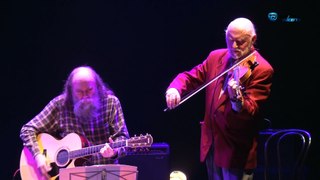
(243, 71)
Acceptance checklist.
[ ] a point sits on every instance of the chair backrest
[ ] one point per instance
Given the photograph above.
(286, 150)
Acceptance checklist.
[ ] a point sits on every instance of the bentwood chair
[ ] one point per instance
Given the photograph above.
(285, 152)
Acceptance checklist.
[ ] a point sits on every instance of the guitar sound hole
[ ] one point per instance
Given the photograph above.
(62, 157)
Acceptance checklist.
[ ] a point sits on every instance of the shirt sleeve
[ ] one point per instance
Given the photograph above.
(118, 125)
(43, 122)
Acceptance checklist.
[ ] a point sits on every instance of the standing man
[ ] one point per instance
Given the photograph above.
(233, 102)
(86, 107)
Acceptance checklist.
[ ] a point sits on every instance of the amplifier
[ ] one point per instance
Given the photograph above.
(152, 162)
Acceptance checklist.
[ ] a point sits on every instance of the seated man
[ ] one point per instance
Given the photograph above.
(86, 107)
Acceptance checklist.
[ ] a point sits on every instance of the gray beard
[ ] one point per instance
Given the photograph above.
(86, 109)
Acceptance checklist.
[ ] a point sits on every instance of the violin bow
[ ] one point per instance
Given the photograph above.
(185, 98)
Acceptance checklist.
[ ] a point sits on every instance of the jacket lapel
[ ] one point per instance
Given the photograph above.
(220, 82)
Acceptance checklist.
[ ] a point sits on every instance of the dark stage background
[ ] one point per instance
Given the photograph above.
(138, 46)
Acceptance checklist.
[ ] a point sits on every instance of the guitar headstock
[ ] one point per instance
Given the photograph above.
(140, 141)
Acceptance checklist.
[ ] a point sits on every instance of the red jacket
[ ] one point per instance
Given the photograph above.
(234, 133)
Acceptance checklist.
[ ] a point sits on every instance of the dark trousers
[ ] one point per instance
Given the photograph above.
(218, 173)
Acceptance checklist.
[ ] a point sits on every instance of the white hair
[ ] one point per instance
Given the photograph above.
(242, 24)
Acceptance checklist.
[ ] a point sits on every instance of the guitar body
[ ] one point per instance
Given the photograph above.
(49, 146)
(68, 152)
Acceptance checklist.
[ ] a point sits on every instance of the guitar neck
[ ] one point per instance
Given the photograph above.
(94, 149)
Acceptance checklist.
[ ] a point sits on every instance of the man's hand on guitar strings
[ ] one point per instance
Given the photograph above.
(107, 151)
(43, 165)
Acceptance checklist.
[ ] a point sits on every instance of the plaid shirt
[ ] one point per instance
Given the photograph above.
(59, 120)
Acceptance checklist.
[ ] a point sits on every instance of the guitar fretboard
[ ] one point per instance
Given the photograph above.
(94, 149)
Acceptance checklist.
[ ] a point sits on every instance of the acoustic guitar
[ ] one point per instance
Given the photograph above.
(69, 152)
